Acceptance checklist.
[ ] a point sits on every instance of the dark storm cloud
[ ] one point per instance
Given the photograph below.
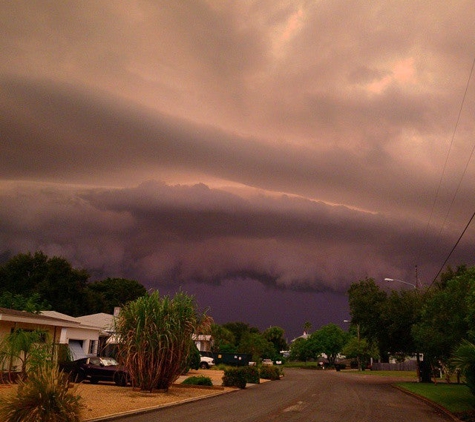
(54, 132)
(176, 234)
(301, 144)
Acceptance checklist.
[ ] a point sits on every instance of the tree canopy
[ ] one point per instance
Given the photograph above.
(35, 282)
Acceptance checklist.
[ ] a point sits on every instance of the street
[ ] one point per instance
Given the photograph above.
(305, 395)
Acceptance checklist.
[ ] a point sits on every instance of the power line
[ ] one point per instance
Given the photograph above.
(453, 249)
(458, 186)
(470, 156)
(445, 164)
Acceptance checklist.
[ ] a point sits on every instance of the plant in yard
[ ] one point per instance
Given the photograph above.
(198, 380)
(26, 348)
(42, 397)
(156, 338)
(464, 360)
(235, 377)
(270, 373)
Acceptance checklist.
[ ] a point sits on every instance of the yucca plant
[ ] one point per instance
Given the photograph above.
(156, 338)
(43, 397)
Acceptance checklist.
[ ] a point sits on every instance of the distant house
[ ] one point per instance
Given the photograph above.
(11, 320)
(61, 329)
(82, 338)
(203, 342)
(107, 338)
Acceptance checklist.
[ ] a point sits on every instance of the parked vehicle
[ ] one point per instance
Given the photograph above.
(206, 362)
(232, 359)
(267, 362)
(97, 369)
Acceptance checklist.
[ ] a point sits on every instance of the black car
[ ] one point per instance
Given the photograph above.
(97, 369)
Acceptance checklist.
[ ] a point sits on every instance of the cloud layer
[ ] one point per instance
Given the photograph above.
(303, 145)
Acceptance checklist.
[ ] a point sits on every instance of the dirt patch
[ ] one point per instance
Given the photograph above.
(106, 399)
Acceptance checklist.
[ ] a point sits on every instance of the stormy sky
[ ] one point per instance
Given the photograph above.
(259, 154)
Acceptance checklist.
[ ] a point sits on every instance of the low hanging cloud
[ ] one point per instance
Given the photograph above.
(171, 235)
(302, 145)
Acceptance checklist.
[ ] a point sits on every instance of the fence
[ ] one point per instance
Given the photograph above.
(409, 365)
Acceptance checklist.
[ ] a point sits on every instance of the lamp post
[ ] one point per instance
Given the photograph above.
(358, 337)
(417, 288)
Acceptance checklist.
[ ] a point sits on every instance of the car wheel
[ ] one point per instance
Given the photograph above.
(120, 379)
(204, 365)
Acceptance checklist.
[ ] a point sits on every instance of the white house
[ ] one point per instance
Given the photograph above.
(82, 338)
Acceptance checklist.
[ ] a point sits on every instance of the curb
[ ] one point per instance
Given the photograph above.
(436, 406)
(117, 416)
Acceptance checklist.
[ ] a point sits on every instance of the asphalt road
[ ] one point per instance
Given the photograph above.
(303, 395)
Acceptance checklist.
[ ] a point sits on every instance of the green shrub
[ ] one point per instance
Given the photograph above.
(252, 374)
(43, 397)
(270, 373)
(235, 377)
(198, 380)
(194, 358)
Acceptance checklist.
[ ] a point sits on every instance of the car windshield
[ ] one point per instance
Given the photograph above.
(109, 362)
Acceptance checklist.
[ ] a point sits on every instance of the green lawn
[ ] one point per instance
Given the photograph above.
(454, 397)
(405, 374)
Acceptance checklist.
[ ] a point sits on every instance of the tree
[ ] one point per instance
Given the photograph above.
(276, 336)
(445, 317)
(300, 350)
(113, 292)
(361, 350)
(156, 338)
(223, 339)
(330, 340)
(239, 330)
(399, 313)
(366, 302)
(32, 304)
(257, 346)
(54, 279)
(25, 347)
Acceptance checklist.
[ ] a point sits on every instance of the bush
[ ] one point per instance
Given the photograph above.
(270, 373)
(235, 377)
(194, 358)
(44, 396)
(252, 374)
(199, 380)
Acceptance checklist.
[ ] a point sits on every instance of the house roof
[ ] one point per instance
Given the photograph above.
(12, 315)
(78, 323)
(101, 320)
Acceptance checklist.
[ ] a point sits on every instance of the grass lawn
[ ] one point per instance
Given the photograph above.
(402, 374)
(454, 397)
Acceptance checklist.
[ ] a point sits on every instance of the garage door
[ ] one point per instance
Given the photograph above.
(77, 352)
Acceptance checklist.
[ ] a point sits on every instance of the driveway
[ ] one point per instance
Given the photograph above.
(305, 395)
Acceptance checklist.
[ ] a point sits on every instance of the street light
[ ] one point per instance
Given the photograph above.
(415, 287)
(400, 281)
(358, 337)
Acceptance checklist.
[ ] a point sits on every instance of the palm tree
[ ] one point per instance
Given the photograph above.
(24, 348)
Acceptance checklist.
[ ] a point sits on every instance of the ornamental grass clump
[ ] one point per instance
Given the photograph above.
(42, 397)
(156, 338)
